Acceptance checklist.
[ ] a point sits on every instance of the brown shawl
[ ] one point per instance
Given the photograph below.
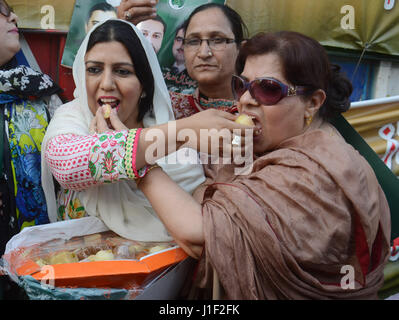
(309, 208)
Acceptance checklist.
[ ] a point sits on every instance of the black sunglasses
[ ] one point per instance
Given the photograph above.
(266, 91)
(5, 9)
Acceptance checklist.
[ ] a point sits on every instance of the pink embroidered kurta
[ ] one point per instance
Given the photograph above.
(79, 162)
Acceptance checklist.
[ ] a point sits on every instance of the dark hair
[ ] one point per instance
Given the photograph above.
(114, 30)
(181, 26)
(158, 18)
(102, 6)
(305, 63)
(237, 25)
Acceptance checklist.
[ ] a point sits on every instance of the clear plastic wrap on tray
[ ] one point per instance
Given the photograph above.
(104, 246)
(83, 259)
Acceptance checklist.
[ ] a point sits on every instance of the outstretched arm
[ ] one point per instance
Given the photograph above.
(177, 209)
(208, 131)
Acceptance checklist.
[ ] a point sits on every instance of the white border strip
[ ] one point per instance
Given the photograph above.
(373, 102)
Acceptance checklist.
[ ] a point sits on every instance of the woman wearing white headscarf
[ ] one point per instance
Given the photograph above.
(90, 167)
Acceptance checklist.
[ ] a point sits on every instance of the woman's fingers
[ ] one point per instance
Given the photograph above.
(125, 4)
(102, 125)
(136, 11)
(99, 125)
(226, 115)
(219, 121)
(136, 15)
(233, 125)
(225, 139)
(116, 123)
(217, 132)
(93, 126)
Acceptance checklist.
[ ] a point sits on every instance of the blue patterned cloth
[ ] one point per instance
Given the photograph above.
(26, 120)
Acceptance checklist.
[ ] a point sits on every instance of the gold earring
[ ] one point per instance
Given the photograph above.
(308, 120)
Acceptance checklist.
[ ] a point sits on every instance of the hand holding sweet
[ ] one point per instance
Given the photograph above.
(215, 130)
(100, 123)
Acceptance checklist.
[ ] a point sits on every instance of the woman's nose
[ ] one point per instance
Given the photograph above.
(204, 50)
(107, 81)
(247, 100)
(13, 18)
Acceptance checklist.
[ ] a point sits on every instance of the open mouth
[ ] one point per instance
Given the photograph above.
(114, 103)
(258, 125)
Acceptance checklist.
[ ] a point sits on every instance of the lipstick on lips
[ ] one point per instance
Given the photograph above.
(251, 120)
(113, 102)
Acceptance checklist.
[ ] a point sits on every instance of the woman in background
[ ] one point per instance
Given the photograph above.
(26, 96)
(212, 39)
(24, 101)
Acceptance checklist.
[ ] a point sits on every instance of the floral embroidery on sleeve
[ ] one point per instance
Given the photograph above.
(106, 157)
(78, 162)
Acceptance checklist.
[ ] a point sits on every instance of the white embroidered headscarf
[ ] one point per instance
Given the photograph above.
(121, 206)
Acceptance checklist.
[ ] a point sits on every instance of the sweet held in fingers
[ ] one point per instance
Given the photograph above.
(245, 120)
(106, 111)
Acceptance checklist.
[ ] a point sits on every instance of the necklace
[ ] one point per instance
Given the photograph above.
(207, 103)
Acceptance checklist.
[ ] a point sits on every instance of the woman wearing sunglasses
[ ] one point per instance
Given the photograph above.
(25, 96)
(310, 221)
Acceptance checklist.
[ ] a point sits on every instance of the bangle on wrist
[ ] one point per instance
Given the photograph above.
(138, 180)
(131, 137)
(132, 142)
(134, 153)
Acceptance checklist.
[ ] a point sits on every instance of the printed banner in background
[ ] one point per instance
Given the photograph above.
(85, 14)
(348, 24)
(172, 12)
(43, 14)
(378, 124)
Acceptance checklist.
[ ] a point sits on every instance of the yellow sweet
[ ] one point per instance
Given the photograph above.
(92, 239)
(107, 111)
(135, 248)
(63, 257)
(158, 248)
(41, 262)
(245, 119)
(102, 255)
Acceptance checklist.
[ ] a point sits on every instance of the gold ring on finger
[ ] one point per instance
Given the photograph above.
(128, 16)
